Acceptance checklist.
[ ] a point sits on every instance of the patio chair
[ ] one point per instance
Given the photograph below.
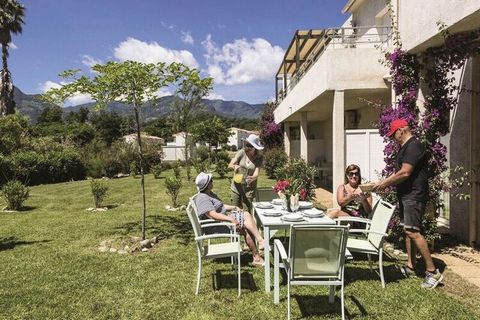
(316, 256)
(265, 194)
(375, 232)
(217, 250)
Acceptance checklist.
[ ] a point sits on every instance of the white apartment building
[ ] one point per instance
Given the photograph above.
(237, 136)
(327, 75)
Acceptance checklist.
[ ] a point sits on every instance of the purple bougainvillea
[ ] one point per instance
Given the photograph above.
(437, 65)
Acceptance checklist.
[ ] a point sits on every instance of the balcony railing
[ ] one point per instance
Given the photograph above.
(354, 37)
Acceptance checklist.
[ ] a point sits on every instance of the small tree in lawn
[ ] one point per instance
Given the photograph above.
(213, 132)
(132, 83)
(190, 92)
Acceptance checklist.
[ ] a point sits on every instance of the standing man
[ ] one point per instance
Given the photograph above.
(411, 179)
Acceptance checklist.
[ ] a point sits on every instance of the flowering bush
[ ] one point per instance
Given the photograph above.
(296, 177)
(436, 66)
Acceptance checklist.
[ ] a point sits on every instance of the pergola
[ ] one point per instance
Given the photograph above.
(304, 49)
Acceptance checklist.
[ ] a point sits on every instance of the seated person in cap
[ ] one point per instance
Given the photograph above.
(210, 206)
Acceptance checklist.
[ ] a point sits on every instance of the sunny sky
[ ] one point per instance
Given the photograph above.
(238, 43)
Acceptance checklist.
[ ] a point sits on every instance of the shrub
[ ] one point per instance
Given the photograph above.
(221, 168)
(14, 129)
(299, 170)
(176, 169)
(173, 185)
(133, 169)
(274, 159)
(157, 170)
(221, 155)
(53, 166)
(201, 165)
(14, 193)
(99, 192)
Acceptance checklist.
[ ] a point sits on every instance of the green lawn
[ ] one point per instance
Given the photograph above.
(50, 268)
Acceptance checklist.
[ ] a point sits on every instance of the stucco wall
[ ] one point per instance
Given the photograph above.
(337, 69)
(417, 20)
(460, 142)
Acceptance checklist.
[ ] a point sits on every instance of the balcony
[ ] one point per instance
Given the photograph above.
(307, 47)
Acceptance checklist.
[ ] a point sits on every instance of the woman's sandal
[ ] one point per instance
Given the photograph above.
(258, 263)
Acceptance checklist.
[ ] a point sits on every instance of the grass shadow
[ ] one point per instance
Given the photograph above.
(111, 206)
(222, 280)
(353, 272)
(162, 226)
(12, 242)
(27, 208)
(317, 305)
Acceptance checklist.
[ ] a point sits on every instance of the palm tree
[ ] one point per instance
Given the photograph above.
(11, 21)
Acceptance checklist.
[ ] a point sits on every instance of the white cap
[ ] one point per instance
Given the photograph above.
(202, 180)
(254, 140)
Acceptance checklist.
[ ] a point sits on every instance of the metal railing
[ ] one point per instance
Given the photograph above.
(353, 37)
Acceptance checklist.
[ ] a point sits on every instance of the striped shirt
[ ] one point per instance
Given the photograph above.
(208, 202)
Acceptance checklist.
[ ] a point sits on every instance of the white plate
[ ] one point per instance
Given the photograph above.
(271, 213)
(277, 201)
(313, 213)
(293, 217)
(305, 204)
(264, 205)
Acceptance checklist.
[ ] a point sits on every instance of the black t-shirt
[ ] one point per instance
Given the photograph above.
(416, 186)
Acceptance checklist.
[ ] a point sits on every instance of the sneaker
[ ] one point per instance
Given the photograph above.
(432, 279)
(407, 271)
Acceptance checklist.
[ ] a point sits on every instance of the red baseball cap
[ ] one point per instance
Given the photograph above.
(395, 125)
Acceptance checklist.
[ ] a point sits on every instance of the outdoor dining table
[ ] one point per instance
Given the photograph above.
(270, 223)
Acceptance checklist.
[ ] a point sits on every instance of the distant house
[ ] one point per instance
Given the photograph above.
(175, 151)
(130, 138)
(237, 136)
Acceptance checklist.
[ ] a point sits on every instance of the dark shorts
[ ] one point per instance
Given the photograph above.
(240, 199)
(411, 214)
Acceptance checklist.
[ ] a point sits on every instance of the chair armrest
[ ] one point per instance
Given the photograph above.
(203, 221)
(368, 231)
(216, 224)
(281, 250)
(217, 236)
(353, 219)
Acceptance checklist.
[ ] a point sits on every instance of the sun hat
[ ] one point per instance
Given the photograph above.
(395, 125)
(202, 180)
(254, 140)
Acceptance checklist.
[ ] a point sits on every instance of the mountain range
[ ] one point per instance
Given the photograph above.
(32, 106)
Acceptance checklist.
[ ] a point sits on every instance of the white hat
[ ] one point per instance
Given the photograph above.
(202, 180)
(254, 140)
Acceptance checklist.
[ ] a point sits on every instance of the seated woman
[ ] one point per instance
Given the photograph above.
(352, 200)
(210, 206)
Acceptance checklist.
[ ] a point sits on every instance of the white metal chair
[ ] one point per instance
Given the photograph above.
(207, 250)
(376, 233)
(316, 256)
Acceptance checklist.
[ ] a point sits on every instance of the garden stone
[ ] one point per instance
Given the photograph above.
(145, 250)
(154, 240)
(145, 243)
(122, 251)
(103, 249)
(113, 250)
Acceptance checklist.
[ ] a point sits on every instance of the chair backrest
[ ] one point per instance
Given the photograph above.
(317, 251)
(265, 194)
(381, 217)
(193, 217)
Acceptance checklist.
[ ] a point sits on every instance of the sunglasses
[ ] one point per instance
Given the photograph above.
(351, 174)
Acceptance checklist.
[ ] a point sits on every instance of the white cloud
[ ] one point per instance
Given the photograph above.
(242, 61)
(74, 100)
(164, 92)
(187, 38)
(89, 61)
(214, 96)
(12, 46)
(133, 49)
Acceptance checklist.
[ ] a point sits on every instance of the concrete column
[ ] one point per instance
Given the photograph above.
(286, 137)
(303, 136)
(338, 135)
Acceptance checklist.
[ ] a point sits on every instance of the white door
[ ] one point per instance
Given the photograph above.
(365, 148)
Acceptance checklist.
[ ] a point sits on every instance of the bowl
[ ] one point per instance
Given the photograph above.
(367, 187)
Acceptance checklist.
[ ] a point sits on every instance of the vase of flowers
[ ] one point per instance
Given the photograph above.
(290, 193)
